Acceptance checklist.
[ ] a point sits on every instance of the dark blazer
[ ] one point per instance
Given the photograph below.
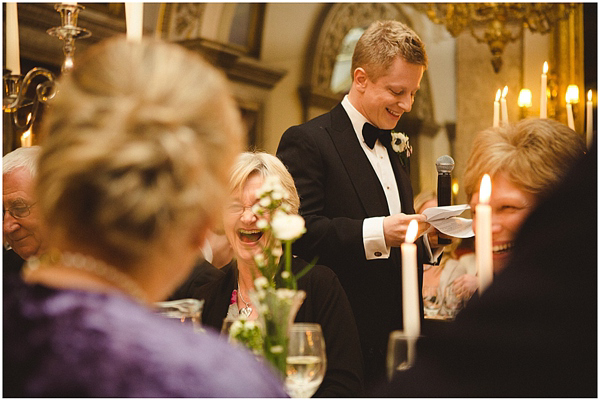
(534, 331)
(325, 303)
(338, 189)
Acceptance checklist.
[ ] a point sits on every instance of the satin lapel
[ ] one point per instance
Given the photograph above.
(363, 177)
(403, 181)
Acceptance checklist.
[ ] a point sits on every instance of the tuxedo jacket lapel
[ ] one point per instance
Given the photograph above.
(362, 175)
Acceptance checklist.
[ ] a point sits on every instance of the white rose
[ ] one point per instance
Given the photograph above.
(287, 227)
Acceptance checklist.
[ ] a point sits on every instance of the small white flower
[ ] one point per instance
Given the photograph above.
(277, 251)
(265, 202)
(287, 227)
(285, 274)
(249, 325)
(261, 282)
(284, 293)
(236, 328)
(400, 142)
(256, 209)
(262, 224)
(277, 349)
(259, 259)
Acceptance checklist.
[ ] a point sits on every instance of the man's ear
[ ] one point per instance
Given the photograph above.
(360, 79)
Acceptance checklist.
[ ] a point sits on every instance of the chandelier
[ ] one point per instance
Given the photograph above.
(496, 23)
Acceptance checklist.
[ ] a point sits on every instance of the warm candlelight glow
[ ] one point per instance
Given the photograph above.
(545, 70)
(498, 94)
(524, 98)
(411, 231)
(455, 187)
(504, 92)
(572, 95)
(485, 189)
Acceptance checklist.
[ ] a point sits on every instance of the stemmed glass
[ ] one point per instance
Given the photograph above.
(453, 301)
(401, 352)
(188, 311)
(306, 360)
(432, 300)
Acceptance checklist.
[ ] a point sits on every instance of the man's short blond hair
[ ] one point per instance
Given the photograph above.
(382, 43)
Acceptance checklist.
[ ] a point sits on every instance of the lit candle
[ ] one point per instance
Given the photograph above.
(572, 96)
(483, 235)
(589, 120)
(544, 96)
(26, 137)
(524, 98)
(410, 283)
(13, 57)
(69, 3)
(497, 109)
(134, 16)
(504, 108)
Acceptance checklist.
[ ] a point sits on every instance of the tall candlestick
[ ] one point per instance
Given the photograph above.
(497, 109)
(483, 235)
(589, 120)
(134, 15)
(410, 283)
(13, 57)
(504, 107)
(543, 95)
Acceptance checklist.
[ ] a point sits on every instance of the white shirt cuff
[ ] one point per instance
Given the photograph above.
(374, 239)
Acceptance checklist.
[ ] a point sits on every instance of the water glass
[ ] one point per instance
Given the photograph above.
(401, 354)
(306, 360)
(453, 301)
(432, 300)
(188, 311)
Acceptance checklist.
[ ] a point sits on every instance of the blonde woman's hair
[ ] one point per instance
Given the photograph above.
(382, 43)
(140, 141)
(535, 154)
(265, 165)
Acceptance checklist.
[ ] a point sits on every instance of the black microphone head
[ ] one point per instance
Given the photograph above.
(444, 164)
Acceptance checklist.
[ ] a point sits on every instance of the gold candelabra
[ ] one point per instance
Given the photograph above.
(496, 23)
(17, 86)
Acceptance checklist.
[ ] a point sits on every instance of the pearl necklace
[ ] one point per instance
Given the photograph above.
(82, 262)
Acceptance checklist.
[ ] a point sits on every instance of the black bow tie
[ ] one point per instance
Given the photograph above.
(372, 133)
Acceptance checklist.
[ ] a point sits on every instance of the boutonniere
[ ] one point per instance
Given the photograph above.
(401, 146)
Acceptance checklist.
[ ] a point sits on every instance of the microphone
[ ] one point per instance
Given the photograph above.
(444, 166)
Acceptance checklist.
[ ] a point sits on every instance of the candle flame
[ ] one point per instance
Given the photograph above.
(590, 95)
(455, 187)
(545, 67)
(524, 98)
(572, 95)
(498, 95)
(485, 189)
(411, 232)
(504, 92)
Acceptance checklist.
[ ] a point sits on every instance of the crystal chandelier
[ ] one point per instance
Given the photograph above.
(496, 23)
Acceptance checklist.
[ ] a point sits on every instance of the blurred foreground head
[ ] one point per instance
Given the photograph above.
(139, 142)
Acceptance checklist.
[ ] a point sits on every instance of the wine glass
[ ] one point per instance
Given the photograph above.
(306, 360)
(401, 352)
(188, 311)
(432, 300)
(453, 301)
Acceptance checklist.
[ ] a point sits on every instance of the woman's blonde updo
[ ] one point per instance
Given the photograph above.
(139, 142)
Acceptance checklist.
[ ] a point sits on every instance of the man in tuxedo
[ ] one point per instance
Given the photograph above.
(355, 191)
(21, 225)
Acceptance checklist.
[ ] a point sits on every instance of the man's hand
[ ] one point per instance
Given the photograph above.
(394, 227)
(433, 235)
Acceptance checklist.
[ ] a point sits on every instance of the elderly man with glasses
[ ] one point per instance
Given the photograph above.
(21, 223)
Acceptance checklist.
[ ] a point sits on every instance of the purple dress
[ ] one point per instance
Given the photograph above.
(68, 343)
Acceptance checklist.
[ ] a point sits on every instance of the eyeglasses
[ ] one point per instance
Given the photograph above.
(18, 211)
(238, 208)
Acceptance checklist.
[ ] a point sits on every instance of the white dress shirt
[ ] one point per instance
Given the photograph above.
(373, 235)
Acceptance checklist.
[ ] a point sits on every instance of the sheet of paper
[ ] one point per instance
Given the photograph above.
(444, 218)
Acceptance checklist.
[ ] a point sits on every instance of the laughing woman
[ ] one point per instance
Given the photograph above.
(325, 301)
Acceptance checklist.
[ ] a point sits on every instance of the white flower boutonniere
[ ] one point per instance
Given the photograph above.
(401, 146)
